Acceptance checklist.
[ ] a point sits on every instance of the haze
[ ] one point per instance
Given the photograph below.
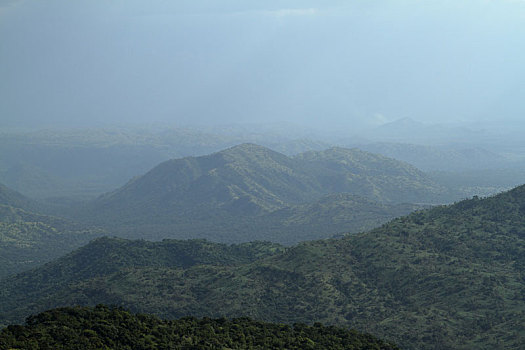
(326, 64)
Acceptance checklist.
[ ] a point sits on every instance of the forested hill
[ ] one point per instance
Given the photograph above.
(210, 196)
(430, 280)
(112, 328)
(28, 239)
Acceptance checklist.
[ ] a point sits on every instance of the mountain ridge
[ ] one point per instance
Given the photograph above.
(247, 181)
(428, 280)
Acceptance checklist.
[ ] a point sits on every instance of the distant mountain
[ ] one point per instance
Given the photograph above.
(219, 195)
(28, 240)
(446, 278)
(442, 158)
(373, 176)
(84, 163)
(407, 130)
(245, 179)
(114, 328)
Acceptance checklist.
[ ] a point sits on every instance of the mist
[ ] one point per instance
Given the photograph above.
(325, 65)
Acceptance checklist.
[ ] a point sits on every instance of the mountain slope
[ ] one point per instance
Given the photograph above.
(449, 277)
(245, 179)
(28, 240)
(218, 196)
(372, 176)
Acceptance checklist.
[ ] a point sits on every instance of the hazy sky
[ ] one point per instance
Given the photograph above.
(318, 63)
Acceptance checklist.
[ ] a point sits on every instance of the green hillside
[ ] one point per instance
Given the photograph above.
(28, 240)
(112, 328)
(449, 277)
(243, 193)
(372, 176)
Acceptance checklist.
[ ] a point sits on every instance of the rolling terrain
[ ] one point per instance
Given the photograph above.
(243, 192)
(448, 277)
(28, 239)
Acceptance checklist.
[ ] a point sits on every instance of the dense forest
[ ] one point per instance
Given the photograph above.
(103, 327)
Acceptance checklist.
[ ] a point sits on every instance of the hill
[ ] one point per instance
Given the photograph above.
(430, 280)
(28, 240)
(84, 163)
(373, 176)
(440, 158)
(112, 328)
(218, 196)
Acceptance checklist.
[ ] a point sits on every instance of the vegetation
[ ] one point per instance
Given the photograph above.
(84, 163)
(449, 277)
(103, 327)
(28, 240)
(250, 192)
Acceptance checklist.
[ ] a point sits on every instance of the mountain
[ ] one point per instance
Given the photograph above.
(407, 130)
(247, 177)
(219, 195)
(442, 158)
(371, 176)
(114, 328)
(84, 163)
(448, 277)
(28, 240)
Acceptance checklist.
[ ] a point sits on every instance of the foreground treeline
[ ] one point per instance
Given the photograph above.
(104, 327)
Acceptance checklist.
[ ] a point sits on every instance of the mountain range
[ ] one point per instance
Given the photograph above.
(447, 277)
(219, 196)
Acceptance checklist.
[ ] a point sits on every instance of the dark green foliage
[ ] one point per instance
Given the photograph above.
(447, 278)
(114, 328)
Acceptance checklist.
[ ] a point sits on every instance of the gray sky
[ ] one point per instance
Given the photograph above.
(317, 63)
